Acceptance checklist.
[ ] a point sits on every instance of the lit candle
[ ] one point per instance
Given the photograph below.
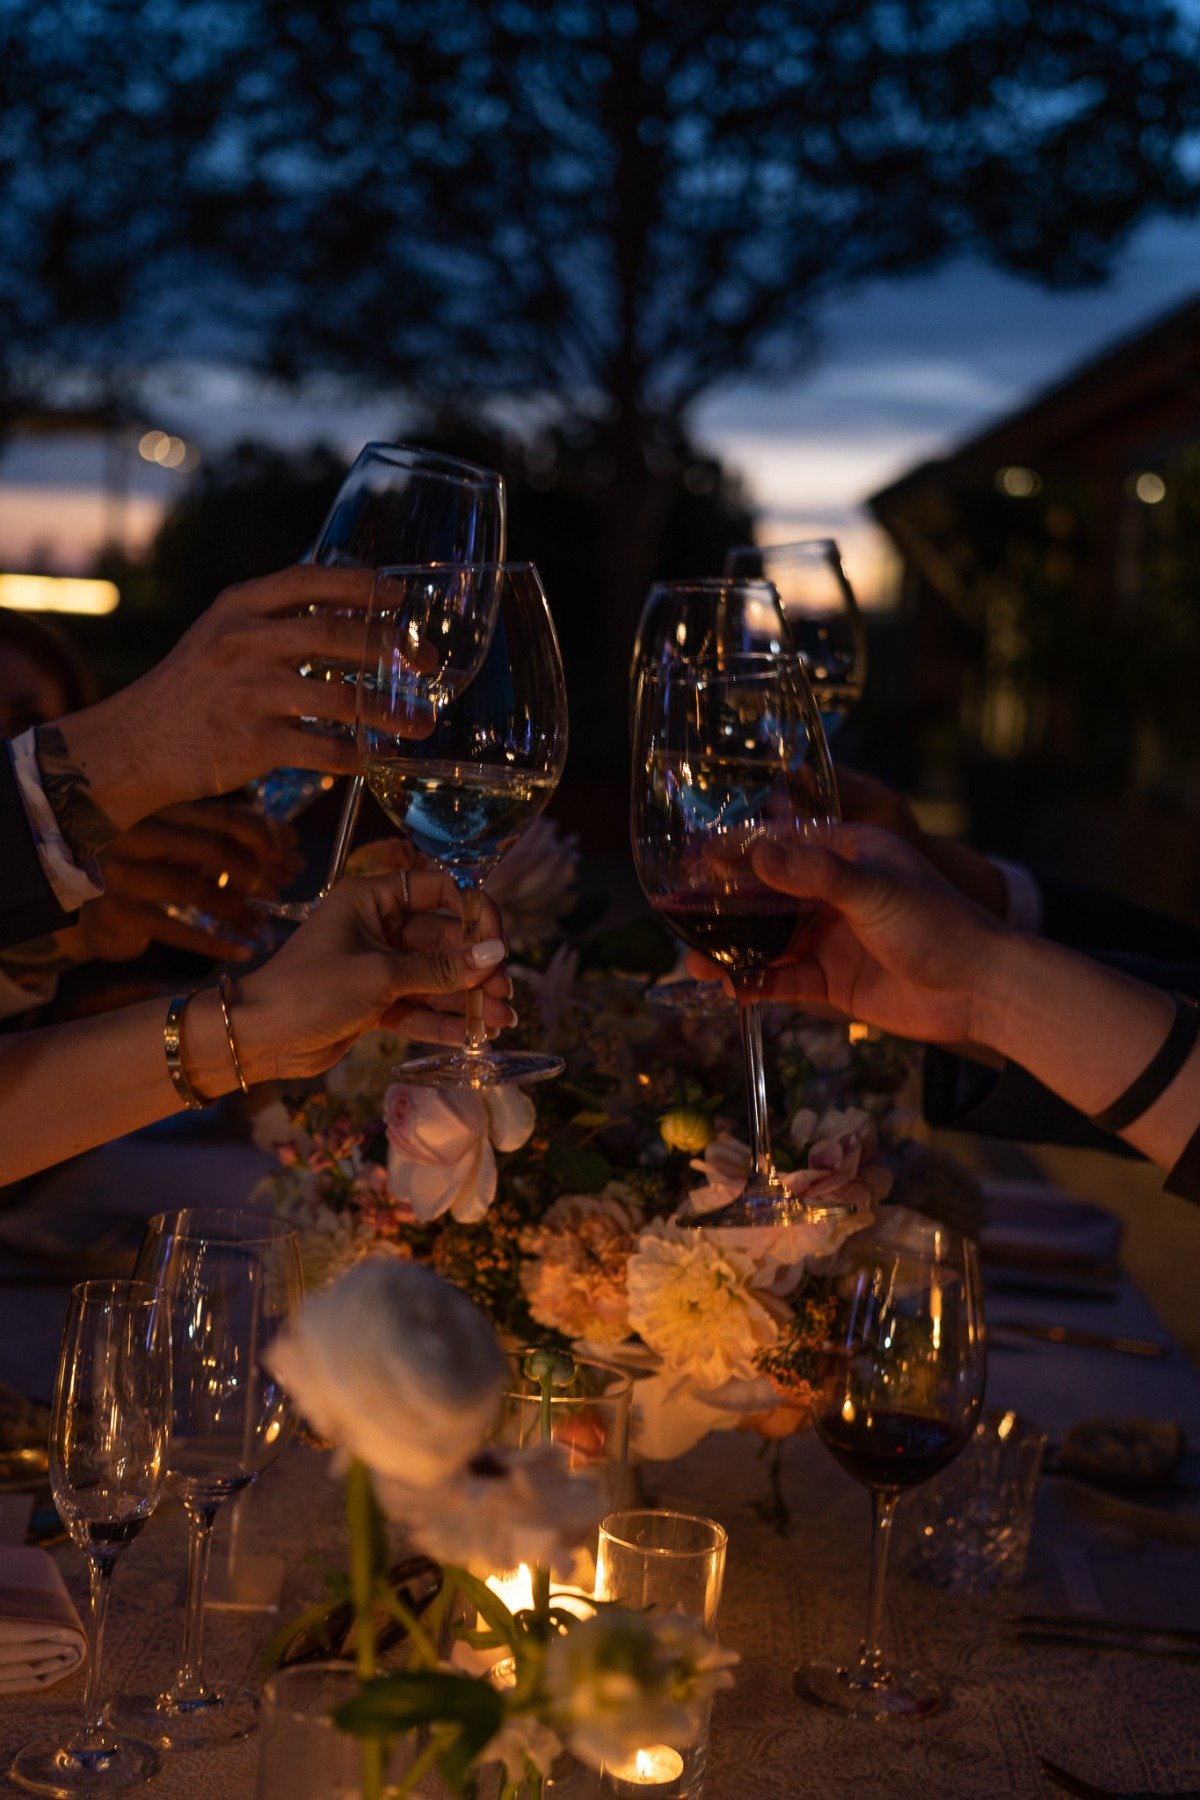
(514, 1587)
(654, 1770)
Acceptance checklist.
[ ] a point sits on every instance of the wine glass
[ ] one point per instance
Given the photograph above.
(109, 1432)
(729, 753)
(900, 1392)
(400, 504)
(711, 617)
(231, 1282)
(822, 613)
(464, 793)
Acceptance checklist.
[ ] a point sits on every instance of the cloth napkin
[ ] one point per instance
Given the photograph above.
(41, 1639)
(1034, 1220)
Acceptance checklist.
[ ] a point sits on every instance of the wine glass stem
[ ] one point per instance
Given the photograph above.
(870, 1656)
(100, 1568)
(472, 907)
(762, 1167)
(345, 832)
(189, 1681)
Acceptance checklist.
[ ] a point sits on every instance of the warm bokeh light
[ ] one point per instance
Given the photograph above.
(168, 452)
(1149, 488)
(1018, 483)
(58, 594)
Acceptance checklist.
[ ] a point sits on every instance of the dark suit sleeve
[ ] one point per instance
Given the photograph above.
(1088, 919)
(28, 908)
(1009, 1103)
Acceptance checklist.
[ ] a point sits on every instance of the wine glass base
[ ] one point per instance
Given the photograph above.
(502, 1068)
(212, 1718)
(691, 998)
(766, 1209)
(115, 1763)
(889, 1694)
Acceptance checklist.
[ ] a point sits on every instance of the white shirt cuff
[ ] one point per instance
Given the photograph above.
(1022, 895)
(73, 886)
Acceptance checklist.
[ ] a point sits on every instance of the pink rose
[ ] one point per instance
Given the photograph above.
(442, 1144)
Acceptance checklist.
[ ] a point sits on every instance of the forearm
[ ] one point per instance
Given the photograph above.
(66, 1088)
(100, 774)
(1086, 1032)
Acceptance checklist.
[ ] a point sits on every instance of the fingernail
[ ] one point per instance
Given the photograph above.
(513, 1016)
(486, 954)
(509, 989)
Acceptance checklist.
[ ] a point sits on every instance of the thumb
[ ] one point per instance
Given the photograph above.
(445, 971)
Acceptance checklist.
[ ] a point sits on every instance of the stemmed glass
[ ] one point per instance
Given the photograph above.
(900, 1393)
(822, 614)
(729, 753)
(682, 620)
(464, 793)
(400, 504)
(108, 1454)
(231, 1282)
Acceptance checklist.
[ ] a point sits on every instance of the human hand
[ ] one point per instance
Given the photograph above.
(866, 801)
(366, 960)
(895, 944)
(198, 859)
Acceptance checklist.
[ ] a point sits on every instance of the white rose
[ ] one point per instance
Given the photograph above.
(701, 1304)
(397, 1367)
(442, 1143)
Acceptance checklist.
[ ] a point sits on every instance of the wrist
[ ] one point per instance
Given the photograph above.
(254, 1032)
(1001, 987)
(112, 766)
(203, 1052)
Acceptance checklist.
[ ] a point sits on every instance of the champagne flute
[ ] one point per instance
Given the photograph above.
(901, 1390)
(710, 617)
(464, 793)
(400, 504)
(822, 613)
(729, 753)
(109, 1432)
(231, 1281)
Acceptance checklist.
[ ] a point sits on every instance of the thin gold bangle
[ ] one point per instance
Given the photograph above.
(225, 995)
(172, 1034)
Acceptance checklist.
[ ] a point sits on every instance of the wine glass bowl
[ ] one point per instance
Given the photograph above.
(485, 763)
(109, 1432)
(899, 1394)
(729, 755)
(822, 614)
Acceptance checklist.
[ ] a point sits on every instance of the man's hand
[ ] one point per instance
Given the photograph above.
(223, 706)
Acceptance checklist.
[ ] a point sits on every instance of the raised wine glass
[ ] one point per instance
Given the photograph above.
(400, 504)
(712, 617)
(231, 1282)
(109, 1430)
(822, 614)
(464, 793)
(899, 1396)
(728, 754)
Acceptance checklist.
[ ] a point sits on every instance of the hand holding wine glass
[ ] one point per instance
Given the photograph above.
(729, 755)
(901, 1389)
(109, 1433)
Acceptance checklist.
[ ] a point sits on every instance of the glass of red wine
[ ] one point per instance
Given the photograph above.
(901, 1389)
(728, 754)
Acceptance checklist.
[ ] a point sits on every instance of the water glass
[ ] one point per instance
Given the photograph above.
(969, 1529)
(302, 1754)
(662, 1563)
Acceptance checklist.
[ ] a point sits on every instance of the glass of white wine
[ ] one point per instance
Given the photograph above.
(822, 615)
(463, 762)
(109, 1433)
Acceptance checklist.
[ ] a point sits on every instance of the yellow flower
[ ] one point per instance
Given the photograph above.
(686, 1128)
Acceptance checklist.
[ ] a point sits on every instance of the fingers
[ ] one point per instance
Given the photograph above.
(328, 635)
(271, 838)
(443, 1026)
(445, 970)
(812, 874)
(232, 865)
(155, 886)
(304, 584)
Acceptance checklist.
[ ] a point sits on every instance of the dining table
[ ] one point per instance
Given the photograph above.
(1126, 1721)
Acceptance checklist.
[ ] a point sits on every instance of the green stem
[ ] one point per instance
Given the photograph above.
(541, 1576)
(366, 1531)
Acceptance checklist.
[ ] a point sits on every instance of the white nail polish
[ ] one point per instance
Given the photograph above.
(487, 954)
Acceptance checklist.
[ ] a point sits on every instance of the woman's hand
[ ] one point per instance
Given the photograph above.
(895, 944)
(367, 960)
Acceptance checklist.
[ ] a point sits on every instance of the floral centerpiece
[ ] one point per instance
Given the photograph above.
(404, 1375)
(559, 1211)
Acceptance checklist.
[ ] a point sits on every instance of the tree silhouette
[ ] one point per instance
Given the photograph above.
(595, 209)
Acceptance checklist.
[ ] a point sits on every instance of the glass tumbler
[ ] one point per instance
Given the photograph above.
(968, 1530)
(301, 1752)
(662, 1563)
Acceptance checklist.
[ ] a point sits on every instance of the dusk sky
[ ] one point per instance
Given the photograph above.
(907, 368)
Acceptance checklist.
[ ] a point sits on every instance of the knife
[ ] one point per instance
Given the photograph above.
(1082, 1340)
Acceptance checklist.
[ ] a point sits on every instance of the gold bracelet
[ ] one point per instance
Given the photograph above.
(225, 995)
(172, 1032)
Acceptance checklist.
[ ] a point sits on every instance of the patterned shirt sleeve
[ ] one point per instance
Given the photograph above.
(73, 886)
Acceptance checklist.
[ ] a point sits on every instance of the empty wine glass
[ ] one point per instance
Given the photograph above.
(400, 504)
(822, 614)
(728, 754)
(705, 618)
(231, 1282)
(109, 1431)
(899, 1396)
(464, 793)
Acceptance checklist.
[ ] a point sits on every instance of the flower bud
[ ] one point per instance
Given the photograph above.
(686, 1128)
